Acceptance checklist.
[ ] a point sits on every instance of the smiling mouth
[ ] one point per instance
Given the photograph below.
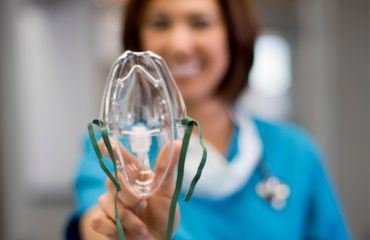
(184, 70)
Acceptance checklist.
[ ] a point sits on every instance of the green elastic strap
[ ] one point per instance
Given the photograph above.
(104, 132)
(189, 124)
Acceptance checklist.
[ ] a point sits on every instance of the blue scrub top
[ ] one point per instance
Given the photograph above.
(312, 210)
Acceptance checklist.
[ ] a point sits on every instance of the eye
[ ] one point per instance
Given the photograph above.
(159, 24)
(200, 23)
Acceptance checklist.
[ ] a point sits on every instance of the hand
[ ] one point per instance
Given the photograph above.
(141, 218)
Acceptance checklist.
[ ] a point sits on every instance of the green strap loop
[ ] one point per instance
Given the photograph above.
(186, 121)
(90, 127)
(104, 132)
(189, 124)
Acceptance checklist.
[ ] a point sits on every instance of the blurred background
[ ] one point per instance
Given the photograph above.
(55, 55)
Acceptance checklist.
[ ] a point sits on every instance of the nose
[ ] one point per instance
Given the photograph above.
(180, 42)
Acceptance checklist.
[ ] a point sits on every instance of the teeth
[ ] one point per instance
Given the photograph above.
(184, 71)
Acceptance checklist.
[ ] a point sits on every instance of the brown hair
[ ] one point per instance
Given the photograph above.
(242, 30)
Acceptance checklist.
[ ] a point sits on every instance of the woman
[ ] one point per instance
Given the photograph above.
(208, 46)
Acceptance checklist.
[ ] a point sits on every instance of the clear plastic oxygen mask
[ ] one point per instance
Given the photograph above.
(143, 109)
(142, 116)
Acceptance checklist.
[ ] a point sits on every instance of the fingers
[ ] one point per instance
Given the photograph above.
(127, 197)
(125, 154)
(129, 220)
(102, 224)
(134, 171)
(132, 162)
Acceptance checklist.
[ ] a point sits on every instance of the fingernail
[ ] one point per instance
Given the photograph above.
(142, 204)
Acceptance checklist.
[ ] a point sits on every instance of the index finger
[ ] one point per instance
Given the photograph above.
(125, 154)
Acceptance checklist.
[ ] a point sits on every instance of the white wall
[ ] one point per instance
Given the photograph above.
(331, 96)
(50, 94)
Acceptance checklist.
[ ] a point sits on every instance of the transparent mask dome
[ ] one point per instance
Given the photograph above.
(143, 108)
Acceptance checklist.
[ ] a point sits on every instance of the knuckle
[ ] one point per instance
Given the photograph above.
(108, 184)
(124, 214)
(96, 222)
(101, 201)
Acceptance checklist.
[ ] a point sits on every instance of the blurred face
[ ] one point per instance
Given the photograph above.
(191, 36)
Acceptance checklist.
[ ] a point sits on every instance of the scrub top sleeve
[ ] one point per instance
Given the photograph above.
(325, 219)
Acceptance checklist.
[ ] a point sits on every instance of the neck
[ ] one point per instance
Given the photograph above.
(206, 110)
(214, 117)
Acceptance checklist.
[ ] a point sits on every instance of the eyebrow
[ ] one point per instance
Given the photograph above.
(161, 14)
